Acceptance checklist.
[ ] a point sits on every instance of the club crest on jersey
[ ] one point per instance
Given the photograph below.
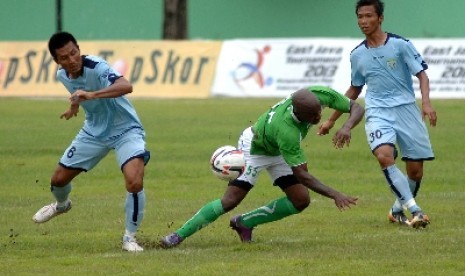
(391, 63)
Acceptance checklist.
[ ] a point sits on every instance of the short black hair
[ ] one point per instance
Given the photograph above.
(59, 40)
(378, 4)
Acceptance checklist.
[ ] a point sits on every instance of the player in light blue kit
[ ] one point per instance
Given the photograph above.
(111, 123)
(385, 63)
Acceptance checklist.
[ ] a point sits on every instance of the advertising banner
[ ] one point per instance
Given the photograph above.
(446, 66)
(278, 67)
(170, 69)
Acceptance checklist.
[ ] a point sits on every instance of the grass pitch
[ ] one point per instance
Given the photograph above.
(182, 134)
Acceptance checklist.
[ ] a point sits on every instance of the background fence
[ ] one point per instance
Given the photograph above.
(241, 48)
(225, 19)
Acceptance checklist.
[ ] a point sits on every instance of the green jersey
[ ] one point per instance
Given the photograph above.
(278, 132)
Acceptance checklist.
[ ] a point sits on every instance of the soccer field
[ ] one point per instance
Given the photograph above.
(181, 135)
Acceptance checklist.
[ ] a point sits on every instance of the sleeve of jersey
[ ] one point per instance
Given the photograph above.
(289, 146)
(107, 75)
(332, 99)
(357, 78)
(339, 102)
(60, 76)
(413, 59)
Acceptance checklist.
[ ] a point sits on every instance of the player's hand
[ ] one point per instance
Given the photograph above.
(344, 202)
(71, 112)
(429, 112)
(80, 96)
(325, 127)
(342, 137)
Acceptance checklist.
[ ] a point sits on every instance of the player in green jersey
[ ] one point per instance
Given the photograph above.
(273, 144)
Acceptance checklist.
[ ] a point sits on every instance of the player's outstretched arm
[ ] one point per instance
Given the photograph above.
(352, 93)
(343, 135)
(342, 201)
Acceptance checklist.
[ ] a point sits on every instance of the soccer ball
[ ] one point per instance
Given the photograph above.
(227, 163)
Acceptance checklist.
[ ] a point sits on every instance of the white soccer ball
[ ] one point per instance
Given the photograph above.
(227, 163)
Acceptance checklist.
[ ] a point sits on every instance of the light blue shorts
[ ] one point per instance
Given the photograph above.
(402, 125)
(86, 151)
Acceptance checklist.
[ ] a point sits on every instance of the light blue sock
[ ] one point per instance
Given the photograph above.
(61, 193)
(399, 185)
(134, 209)
(414, 186)
(397, 207)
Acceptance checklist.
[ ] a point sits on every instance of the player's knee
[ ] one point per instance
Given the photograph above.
(134, 186)
(63, 175)
(386, 155)
(229, 203)
(415, 175)
(54, 180)
(415, 172)
(301, 204)
(385, 160)
(58, 180)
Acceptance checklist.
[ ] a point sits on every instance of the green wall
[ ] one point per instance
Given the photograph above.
(226, 19)
(122, 19)
(323, 18)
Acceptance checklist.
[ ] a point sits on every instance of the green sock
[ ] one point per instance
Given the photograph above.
(206, 215)
(275, 210)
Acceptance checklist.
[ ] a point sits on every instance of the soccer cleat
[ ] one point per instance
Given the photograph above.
(398, 217)
(245, 234)
(130, 244)
(48, 212)
(419, 219)
(171, 240)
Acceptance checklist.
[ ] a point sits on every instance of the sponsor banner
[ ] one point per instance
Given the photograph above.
(277, 67)
(168, 69)
(446, 66)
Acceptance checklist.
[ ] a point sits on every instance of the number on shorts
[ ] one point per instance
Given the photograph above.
(71, 152)
(251, 171)
(375, 135)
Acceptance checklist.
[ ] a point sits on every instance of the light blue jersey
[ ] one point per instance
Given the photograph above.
(111, 123)
(392, 116)
(387, 71)
(105, 118)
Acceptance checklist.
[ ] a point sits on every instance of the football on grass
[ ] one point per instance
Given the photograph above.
(227, 163)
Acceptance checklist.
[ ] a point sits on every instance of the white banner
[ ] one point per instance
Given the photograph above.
(278, 67)
(446, 66)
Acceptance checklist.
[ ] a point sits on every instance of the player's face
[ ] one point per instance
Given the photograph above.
(315, 117)
(69, 57)
(368, 20)
(310, 116)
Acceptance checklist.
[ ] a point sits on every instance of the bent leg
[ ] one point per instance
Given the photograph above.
(212, 211)
(135, 199)
(61, 186)
(296, 200)
(415, 175)
(397, 181)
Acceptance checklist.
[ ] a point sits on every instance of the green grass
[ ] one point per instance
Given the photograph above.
(181, 135)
